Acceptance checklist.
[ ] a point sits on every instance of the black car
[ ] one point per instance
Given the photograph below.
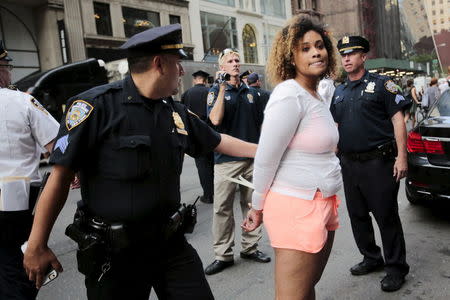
(428, 147)
(54, 87)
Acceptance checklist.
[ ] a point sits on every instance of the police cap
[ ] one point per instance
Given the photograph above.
(348, 44)
(4, 53)
(200, 73)
(165, 39)
(252, 78)
(244, 75)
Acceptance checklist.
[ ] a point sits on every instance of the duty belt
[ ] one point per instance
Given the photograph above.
(387, 150)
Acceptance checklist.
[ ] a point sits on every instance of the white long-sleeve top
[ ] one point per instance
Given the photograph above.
(295, 155)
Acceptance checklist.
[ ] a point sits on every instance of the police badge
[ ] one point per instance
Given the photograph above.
(370, 88)
(77, 113)
(179, 123)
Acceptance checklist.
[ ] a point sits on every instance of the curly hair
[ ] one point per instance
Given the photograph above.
(279, 65)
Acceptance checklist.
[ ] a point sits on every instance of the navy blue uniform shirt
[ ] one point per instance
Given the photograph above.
(242, 117)
(195, 100)
(129, 150)
(363, 110)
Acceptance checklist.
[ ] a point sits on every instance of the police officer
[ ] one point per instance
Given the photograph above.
(195, 100)
(254, 82)
(372, 145)
(233, 109)
(128, 139)
(25, 128)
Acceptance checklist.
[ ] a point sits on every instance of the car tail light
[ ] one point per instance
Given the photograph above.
(415, 144)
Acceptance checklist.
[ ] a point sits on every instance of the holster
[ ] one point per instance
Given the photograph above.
(183, 220)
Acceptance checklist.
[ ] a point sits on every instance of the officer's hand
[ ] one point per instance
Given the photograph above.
(400, 168)
(253, 220)
(37, 261)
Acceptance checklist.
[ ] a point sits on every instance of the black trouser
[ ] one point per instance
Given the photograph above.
(370, 187)
(14, 284)
(205, 168)
(174, 271)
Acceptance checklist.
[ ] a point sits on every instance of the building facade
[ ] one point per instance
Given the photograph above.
(378, 21)
(247, 25)
(438, 12)
(43, 34)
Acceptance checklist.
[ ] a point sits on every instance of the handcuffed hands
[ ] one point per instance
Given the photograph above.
(253, 220)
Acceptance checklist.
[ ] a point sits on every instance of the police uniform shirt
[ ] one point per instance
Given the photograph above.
(129, 150)
(195, 100)
(242, 117)
(363, 109)
(25, 128)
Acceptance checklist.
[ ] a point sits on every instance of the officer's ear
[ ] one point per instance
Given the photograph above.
(363, 56)
(158, 64)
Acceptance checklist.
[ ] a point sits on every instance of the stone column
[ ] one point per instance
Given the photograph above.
(74, 29)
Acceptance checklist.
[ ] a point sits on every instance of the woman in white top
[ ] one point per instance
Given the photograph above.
(296, 172)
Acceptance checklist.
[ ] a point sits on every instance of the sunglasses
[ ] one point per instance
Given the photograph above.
(227, 51)
(9, 67)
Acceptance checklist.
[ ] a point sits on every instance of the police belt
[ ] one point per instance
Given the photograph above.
(387, 150)
(89, 230)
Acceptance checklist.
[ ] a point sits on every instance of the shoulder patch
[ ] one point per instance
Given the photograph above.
(250, 98)
(210, 98)
(77, 113)
(391, 87)
(38, 105)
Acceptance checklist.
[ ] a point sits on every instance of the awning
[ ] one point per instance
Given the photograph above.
(394, 67)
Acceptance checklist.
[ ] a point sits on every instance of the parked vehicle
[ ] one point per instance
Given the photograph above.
(428, 147)
(54, 87)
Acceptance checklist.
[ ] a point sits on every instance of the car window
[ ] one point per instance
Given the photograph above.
(443, 106)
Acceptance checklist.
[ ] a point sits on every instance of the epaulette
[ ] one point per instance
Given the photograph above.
(12, 87)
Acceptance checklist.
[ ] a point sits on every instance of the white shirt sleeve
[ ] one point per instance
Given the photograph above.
(44, 127)
(281, 119)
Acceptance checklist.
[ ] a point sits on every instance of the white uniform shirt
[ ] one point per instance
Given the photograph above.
(295, 155)
(25, 127)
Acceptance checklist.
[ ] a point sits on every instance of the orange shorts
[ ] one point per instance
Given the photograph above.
(299, 224)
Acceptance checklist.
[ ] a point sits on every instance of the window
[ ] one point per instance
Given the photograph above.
(223, 2)
(102, 18)
(248, 5)
(301, 4)
(442, 21)
(433, 12)
(137, 20)
(174, 19)
(219, 32)
(273, 8)
(268, 38)
(442, 11)
(63, 41)
(313, 4)
(250, 45)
